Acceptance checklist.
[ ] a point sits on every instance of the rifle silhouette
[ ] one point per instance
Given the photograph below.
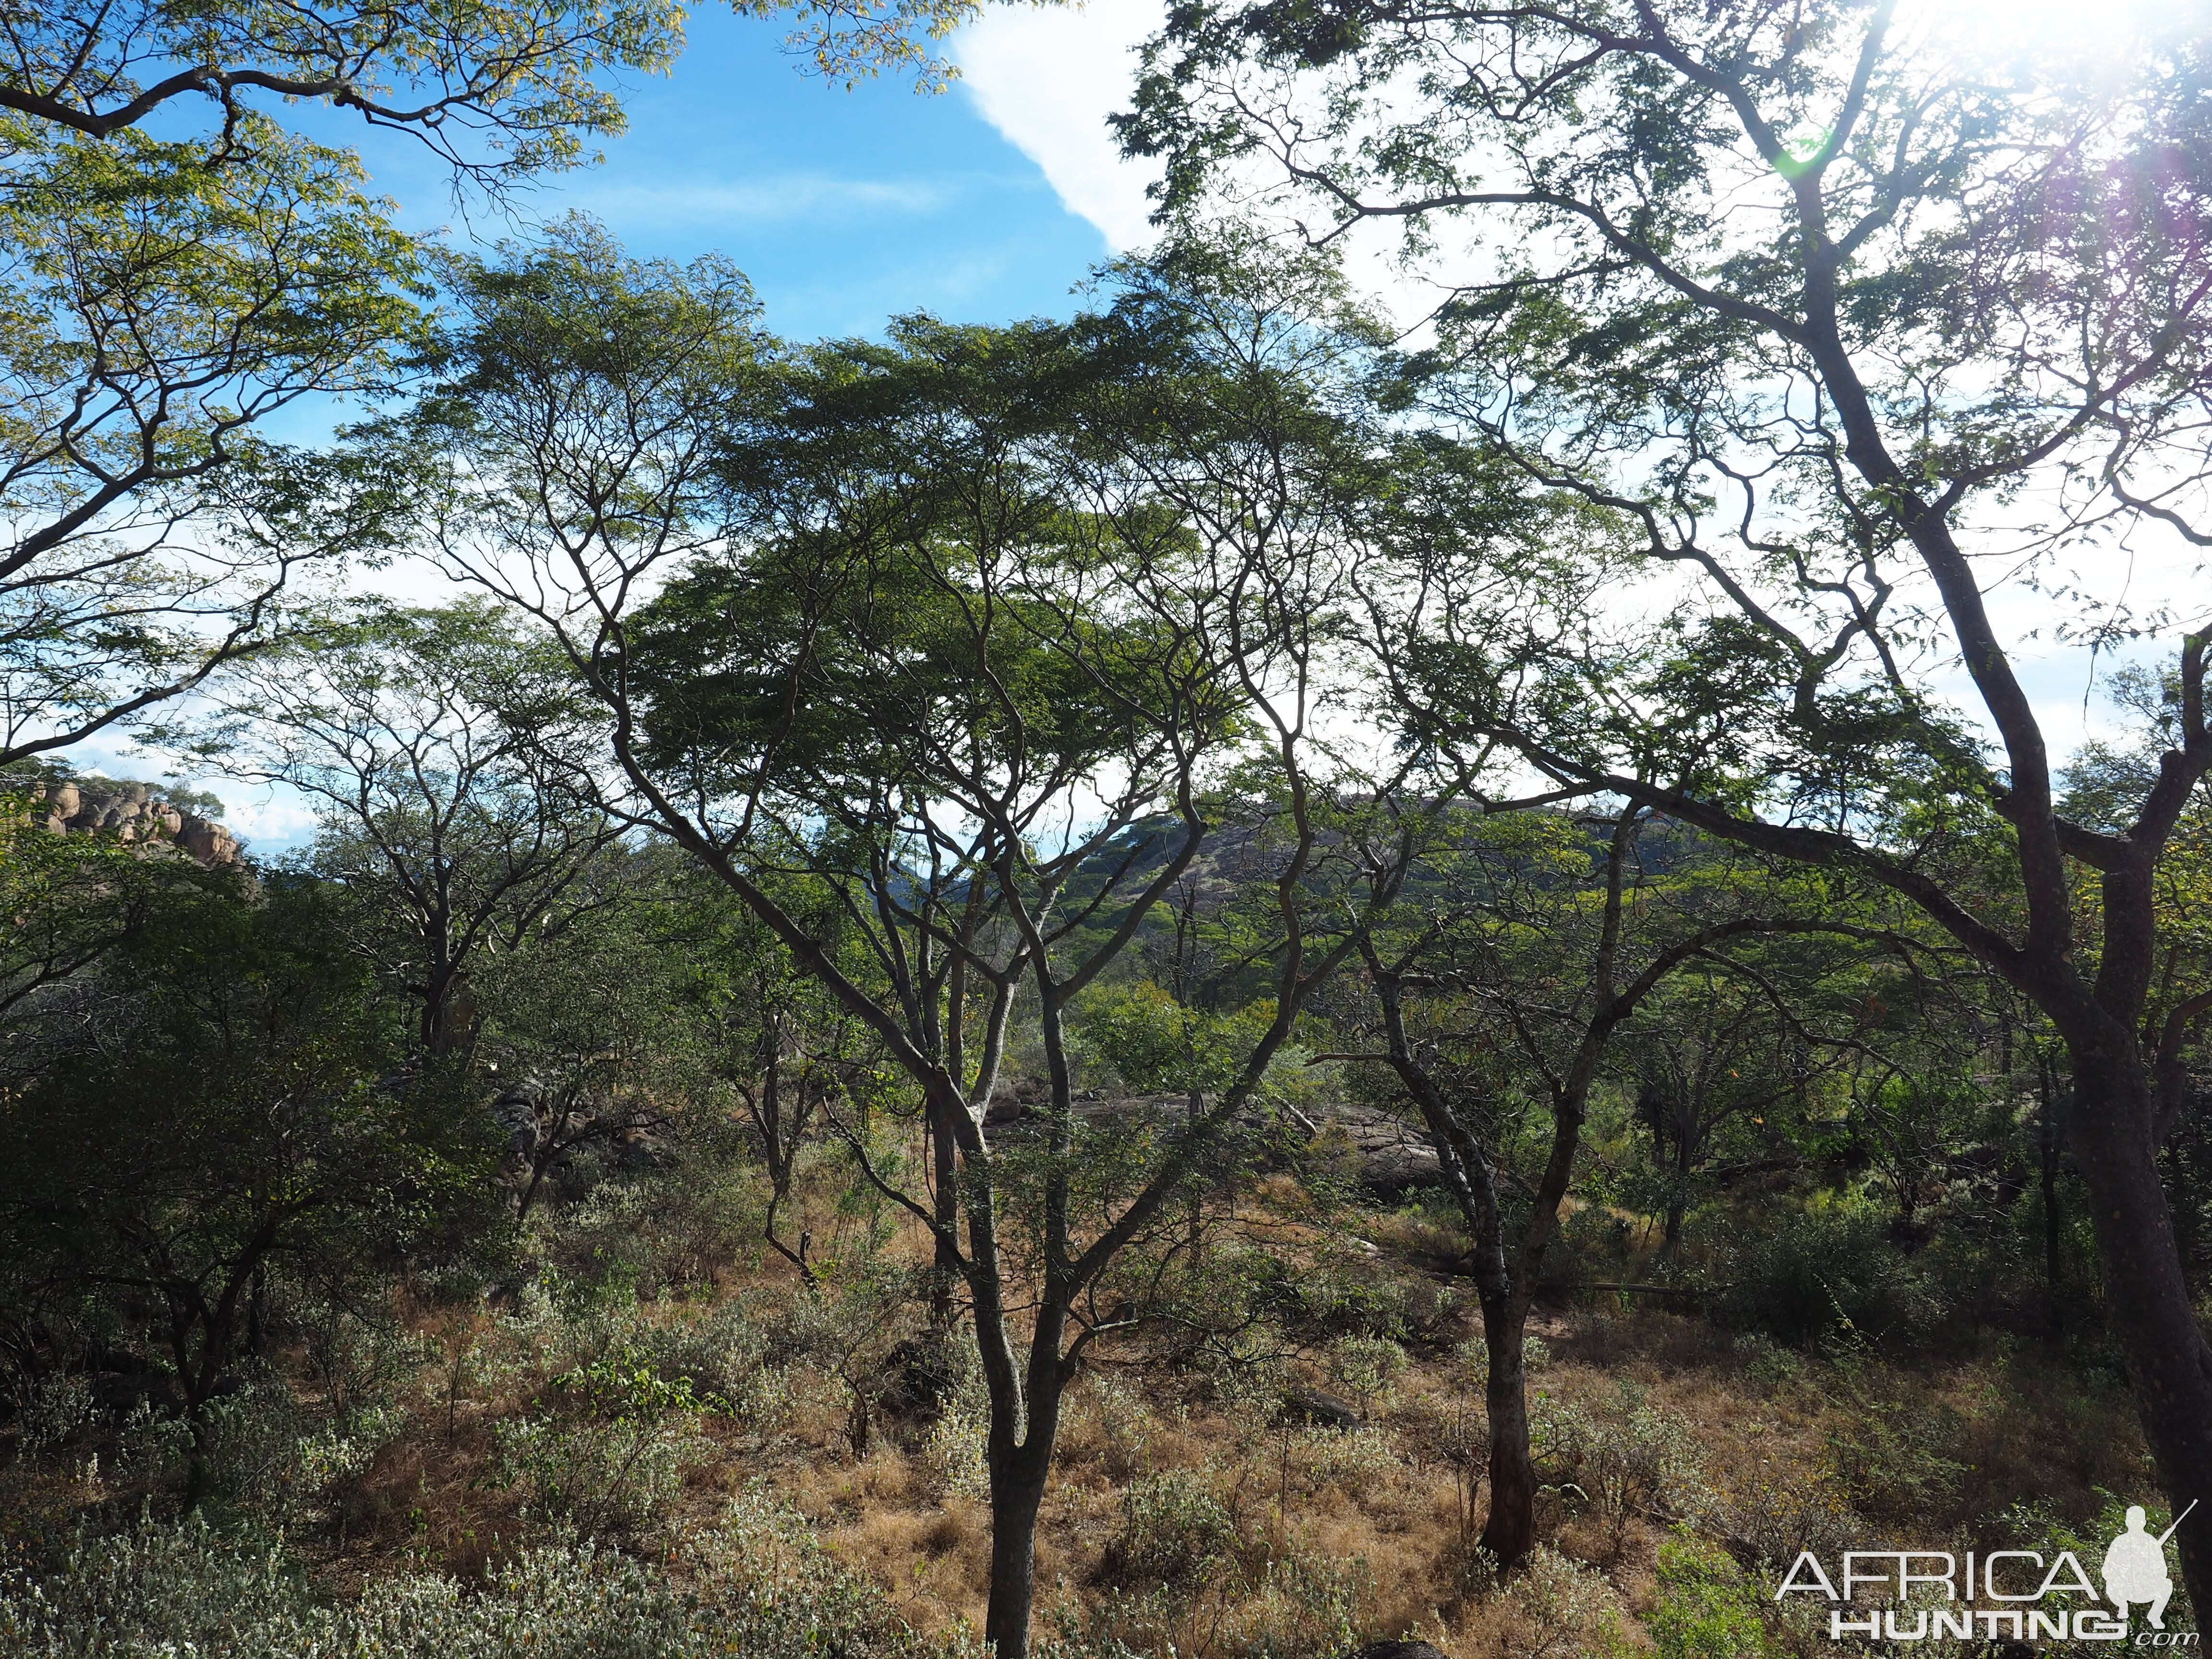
(2176, 1527)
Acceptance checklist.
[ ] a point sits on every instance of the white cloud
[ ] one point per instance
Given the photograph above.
(1047, 78)
(693, 201)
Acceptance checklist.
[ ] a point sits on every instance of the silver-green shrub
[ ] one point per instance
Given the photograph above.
(754, 1583)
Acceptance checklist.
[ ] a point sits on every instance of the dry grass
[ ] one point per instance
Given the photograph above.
(1289, 1534)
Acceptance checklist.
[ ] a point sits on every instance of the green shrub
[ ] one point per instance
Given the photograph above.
(1633, 1461)
(1830, 1271)
(1705, 1607)
(1297, 1605)
(1566, 1610)
(1173, 1530)
(1367, 1368)
(596, 1474)
(756, 1584)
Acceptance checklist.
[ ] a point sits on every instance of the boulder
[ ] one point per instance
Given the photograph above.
(132, 812)
(918, 1377)
(1394, 1156)
(210, 843)
(1319, 1410)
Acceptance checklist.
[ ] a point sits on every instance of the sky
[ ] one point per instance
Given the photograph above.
(989, 203)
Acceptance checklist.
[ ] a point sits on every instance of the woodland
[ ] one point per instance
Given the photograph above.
(1213, 978)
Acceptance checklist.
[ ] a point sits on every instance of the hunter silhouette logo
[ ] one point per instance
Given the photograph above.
(2135, 1566)
(1951, 1589)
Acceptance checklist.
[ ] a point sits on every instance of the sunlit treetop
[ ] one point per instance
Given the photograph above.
(502, 89)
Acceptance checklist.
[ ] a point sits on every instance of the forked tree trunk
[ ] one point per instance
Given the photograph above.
(1017, 1495)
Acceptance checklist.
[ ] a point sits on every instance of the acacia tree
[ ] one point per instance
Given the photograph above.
(179, 266)
(500, 91)
(1830, 308)
(1505, 983)
(931, 627)
(1711, 1054)
(163, 311)
(432, 742)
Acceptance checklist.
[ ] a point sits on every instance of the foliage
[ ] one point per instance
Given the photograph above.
(754, 1583)
(1706, 1609)
(432, 743)
(214, 1115)
(163, 304)
(1631, 1460)
(72, 899)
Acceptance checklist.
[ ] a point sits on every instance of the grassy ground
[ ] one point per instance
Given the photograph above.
(1197, 1505)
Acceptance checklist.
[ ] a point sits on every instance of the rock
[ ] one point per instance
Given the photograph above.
(1394, 1155)
(210, 843)
(1396, 1650)
(918, 1377)
(1005, 1108)
(132, 812)
(1385, 1154)
(1321, 1411)
(515, 1110)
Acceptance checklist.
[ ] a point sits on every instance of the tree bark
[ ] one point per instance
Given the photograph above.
(2048, 1159)
(1509, 1531)
(2148, 1310)
(1017, 1495)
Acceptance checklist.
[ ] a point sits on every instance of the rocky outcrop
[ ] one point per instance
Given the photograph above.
(1385, 1154)
(132, 812)
(1394, 1156)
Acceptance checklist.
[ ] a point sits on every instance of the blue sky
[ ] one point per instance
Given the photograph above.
(846, 207)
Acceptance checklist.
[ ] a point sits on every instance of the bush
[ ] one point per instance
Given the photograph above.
(755, 1584)
(1829, 1271)
(1367, 1368)
(1564, 1609)
(958, 1440)
(1633, 1461)
(623, 1462)
(1173, 1530)
(1705, 1608)
(1299, 1604)
(257, 1445)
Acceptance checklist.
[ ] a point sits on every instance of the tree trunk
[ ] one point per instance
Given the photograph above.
(441, 980)
(1019, 1469)
(2148, 1306)
(2048, 1159)
(1510, 1530)
(1017, 1495)
(944, 1175)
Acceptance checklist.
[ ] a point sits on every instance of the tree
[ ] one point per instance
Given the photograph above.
(160, 309)
(524, 82)
(1528, 946)
(937, 623)
(433, 739)
(168, 296)
(786, 1047)
(214, 1107)
(1711, 1054)
(1805, 298)
(71, 899)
